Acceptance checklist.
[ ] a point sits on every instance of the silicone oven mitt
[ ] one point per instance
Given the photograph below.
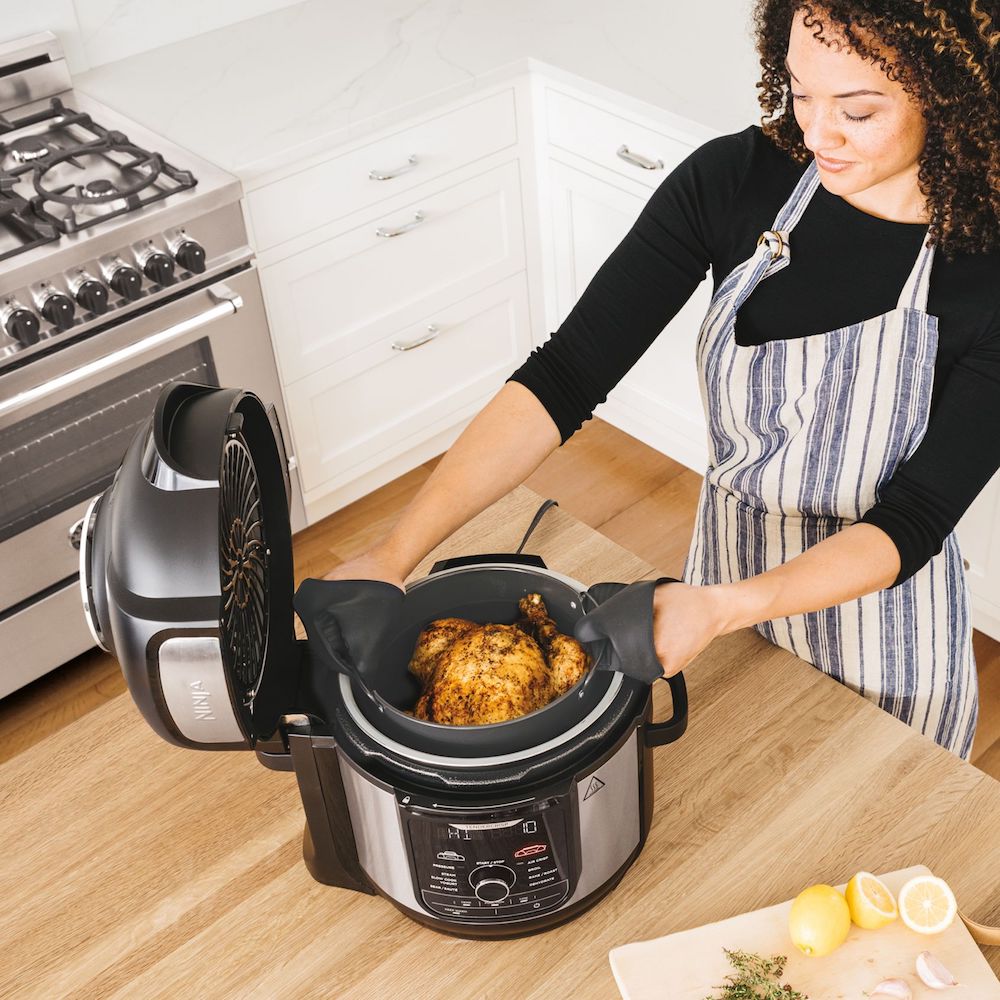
(620, 628)
(348, 621)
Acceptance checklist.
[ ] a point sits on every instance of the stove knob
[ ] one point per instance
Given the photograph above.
(191, 256)
(21, 324)
(58, 309)
(92, 296)
(158, 267)
(126, 281)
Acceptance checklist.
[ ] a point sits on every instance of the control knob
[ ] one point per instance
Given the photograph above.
(158, 267)
(58, 309)
(126, 281)
(92, 296)
(19, 323)
(191, 256)
(492, 883)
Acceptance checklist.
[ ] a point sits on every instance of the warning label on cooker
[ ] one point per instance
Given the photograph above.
(593, 788)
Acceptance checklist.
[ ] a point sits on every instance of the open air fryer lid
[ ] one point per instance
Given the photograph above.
(186, 569)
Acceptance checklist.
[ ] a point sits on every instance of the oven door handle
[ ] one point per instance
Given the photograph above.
(227, 303)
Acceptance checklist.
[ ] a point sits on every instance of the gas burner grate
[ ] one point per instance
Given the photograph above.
(244, 558)
(20, 230)
(139, 177)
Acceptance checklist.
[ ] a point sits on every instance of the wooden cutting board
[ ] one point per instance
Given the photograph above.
(688, 965)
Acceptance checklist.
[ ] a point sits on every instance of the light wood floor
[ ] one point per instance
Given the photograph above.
(639, 498)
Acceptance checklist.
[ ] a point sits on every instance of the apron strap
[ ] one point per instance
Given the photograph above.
(915, 291)
(773, 250)
(792, 210)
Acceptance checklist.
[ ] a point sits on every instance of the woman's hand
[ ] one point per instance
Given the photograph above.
(370, 565)
(685, 620)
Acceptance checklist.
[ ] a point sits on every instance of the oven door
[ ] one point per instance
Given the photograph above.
(65, 422)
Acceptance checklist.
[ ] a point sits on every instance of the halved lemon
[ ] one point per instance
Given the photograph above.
(871, 902)
(927, 904)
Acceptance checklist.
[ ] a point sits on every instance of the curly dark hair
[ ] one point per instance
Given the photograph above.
(947, 56)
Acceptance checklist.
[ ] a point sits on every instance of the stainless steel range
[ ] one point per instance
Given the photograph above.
(124, 265)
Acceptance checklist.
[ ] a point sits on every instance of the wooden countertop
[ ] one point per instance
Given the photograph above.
(134, 868)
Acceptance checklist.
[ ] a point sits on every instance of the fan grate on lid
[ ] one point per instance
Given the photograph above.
(244, 565)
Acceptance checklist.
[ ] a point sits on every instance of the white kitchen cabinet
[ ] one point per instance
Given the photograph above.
(613, 139)
(363, 176)
(330, 300)
(979, 540)
(350, 263)
(659, 400)
(603, 163)
(405, 387)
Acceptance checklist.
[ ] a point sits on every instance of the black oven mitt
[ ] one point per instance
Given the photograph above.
(348, 622)
(620, 628)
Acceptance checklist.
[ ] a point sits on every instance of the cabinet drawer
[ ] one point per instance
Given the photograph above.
(597, 135)
(333, 299)
(343, 185)
(362, 411)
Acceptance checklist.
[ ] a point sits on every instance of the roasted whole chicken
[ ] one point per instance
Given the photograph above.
(475, 674)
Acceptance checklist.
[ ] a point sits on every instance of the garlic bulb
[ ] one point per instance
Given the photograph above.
(933, 973)
(896, 989)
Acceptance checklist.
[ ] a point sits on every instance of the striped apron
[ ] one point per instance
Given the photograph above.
(803, 434)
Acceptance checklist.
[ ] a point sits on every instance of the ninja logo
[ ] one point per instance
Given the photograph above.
(200, 701)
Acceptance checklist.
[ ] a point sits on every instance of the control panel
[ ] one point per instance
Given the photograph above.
(506, 865)
(56, 305)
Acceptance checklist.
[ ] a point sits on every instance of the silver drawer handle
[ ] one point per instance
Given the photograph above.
(418, 217)
(432, 332)
(637, 160)
(228, 302)
(375, 175)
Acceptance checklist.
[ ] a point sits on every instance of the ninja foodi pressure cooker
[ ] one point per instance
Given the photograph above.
(482, 831)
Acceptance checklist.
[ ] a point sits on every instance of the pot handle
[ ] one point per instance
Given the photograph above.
(521, 559)
(658, 734)
(517, 556)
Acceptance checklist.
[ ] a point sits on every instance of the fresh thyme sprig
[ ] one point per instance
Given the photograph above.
(755, 979)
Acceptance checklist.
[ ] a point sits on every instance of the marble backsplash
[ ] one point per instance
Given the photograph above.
(95, 32)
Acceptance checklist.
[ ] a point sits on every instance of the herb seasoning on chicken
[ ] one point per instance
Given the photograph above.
(473, 675)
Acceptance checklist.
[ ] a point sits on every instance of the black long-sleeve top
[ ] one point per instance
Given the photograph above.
(848, 266)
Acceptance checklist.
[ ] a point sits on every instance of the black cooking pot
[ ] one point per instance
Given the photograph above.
(484, 590)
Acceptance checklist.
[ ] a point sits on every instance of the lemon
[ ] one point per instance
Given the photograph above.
(819, 920)
(927, 904)
(871, 903)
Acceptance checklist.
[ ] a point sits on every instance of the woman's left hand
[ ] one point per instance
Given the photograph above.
(685, 620)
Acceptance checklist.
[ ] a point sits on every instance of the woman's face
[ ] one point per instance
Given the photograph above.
(866, 145)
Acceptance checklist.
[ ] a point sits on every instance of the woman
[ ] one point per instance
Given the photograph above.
(852, 398)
